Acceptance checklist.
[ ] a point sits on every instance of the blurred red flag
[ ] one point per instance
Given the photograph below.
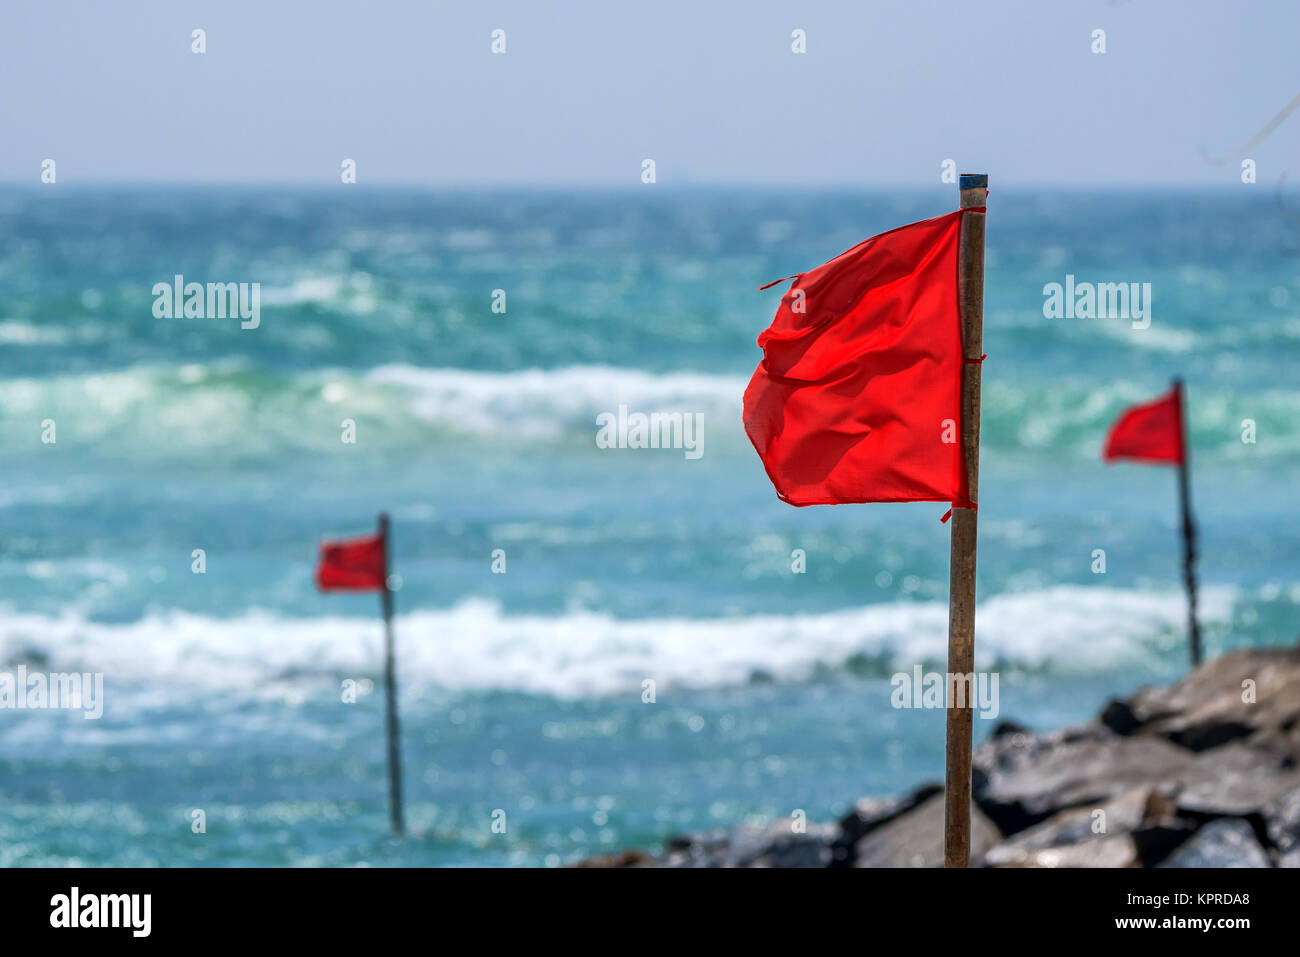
(858, 395)
(1151, 432)
(354, 564)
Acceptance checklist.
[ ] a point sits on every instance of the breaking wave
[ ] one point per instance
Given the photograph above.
(474, 646)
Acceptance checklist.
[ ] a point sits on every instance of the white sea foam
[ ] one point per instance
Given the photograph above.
(475, 646)
(14, 332)
(310, 289)
(227, 405)
(548, 402)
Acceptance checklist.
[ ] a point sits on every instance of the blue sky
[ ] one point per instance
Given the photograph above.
(711, 91)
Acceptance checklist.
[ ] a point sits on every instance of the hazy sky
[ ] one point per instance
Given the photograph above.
(587, 90)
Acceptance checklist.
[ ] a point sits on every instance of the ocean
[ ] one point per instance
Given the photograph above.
(523, 694)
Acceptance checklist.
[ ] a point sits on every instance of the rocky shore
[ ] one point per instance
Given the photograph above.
(1205, 773)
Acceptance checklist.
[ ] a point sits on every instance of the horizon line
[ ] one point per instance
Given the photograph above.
(1072, 186)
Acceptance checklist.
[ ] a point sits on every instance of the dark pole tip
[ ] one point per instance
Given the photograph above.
(974, 180)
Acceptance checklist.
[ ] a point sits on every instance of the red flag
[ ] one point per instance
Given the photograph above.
(354, 564)
(1151, 432)
(858, 396)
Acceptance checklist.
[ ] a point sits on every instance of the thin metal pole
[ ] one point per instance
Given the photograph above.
(1189, 532)
(390, 686)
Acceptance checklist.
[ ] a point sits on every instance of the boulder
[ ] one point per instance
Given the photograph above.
(915, 838)
(778, 846)
(1282, 822)
(1236, 780)
(621, 859)
(1226, 842)
(869, 814)
(1119, 717)
(1114, 850)
(1136, 828)
(773, 846)
(1283, 740)
(1028, 778)
(1206, 709)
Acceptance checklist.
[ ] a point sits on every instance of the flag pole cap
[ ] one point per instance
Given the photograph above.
(974, 181)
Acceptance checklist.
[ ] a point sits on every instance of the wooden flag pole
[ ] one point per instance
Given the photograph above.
(390, 686)
(961, 568)
(1189, 531)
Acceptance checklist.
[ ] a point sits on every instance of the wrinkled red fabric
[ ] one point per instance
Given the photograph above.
(858, 397)
(1151, 432)
(354, 564)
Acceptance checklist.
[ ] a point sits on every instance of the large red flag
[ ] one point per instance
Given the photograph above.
(858, 395)
(1151, 432)
(354, 564)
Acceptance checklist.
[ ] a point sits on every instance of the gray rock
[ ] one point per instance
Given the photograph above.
(869, 814)
(1119, 717)
(1078, 825)
(915, 839)
(1226, 842)
(1283, 740)
(621, 859)
(1236, 780)
(778, 846)
(1114, 850)
(1031, 777)
(1282, 819)
(1205, 710)
(1139, 828)
(774, 846)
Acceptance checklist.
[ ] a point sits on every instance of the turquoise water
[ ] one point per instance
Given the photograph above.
(522, 692)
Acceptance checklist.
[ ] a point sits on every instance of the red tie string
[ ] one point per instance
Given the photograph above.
(948, 514)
